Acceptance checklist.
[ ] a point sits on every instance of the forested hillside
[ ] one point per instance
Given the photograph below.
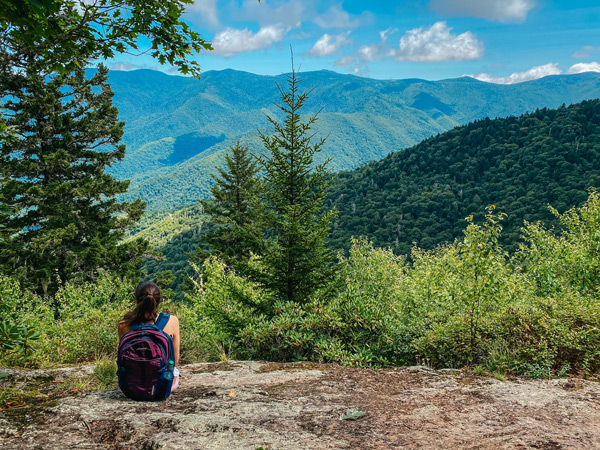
(172, 236)
(177, 128)
(424, 193)
(520, 164)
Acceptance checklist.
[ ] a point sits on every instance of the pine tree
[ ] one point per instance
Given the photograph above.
(66, 222)
(296, 260)
(233, 208)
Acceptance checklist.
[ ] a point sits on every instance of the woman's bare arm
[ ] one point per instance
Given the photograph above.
(122, 329)
(176, 338)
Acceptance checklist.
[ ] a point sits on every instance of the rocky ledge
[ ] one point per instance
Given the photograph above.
(276, 406)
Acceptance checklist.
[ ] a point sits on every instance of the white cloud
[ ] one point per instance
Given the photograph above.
(329, 45)
(231, 41)
(375, 52)
(345, 61)
(585, 67)
(206, 9)
(501, 10)
(437, 44)
(368, 53)
(353, 65)
(336, 17)
(585, 51)
(532, 74)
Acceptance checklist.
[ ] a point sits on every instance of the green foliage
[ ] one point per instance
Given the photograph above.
(458, 289)
(570, 260)
(231, 302)
(16, 334)
(65, 222)
(464, 303)
(16, 338)
(295, 262)
(274, 245)
(67, 31)
(86, 327)
(235, 232)
(422, 194)
(172, 236)
(521, 164)
(105, 372)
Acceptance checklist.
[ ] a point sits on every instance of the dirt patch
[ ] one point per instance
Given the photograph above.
(248, 405)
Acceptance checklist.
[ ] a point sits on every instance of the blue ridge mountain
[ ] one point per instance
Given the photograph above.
(421, 195)
(178, 128)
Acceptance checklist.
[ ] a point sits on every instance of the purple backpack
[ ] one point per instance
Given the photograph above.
(145, 361)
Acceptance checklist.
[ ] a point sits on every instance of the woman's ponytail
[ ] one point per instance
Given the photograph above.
(147, 298)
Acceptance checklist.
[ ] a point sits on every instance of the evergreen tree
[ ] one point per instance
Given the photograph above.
(296, 260)
(66, 221)
(233, 208)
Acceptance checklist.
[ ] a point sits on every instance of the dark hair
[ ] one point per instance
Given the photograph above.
(147, 298)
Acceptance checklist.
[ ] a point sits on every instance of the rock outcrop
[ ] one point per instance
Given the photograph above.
(273, 406)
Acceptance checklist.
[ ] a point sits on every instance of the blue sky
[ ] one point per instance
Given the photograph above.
(502, 41)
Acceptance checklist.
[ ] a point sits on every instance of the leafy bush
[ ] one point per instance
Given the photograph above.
(465, 303)
(16, 334)
(81, 325)
(569, 259)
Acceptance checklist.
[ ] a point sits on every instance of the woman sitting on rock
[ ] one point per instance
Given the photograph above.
(147, 297)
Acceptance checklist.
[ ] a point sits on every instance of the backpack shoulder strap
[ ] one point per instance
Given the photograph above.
(162, 321)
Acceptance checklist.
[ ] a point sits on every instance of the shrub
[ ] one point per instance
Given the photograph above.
(18, 333)
(465, 303)
(85, 326)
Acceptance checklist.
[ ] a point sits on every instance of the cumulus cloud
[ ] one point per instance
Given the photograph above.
(532, 74)
(585, 67)
(336, 17)
(357, 62)
(500, 10)
(231, 41)
(585, 51)
(206, 9)
(368, 53)
(345, 61)
(437, 43)
(374, 52)
(329, 45)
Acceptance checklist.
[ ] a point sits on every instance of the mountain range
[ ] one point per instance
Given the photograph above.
(178, 128)
(420, 196)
